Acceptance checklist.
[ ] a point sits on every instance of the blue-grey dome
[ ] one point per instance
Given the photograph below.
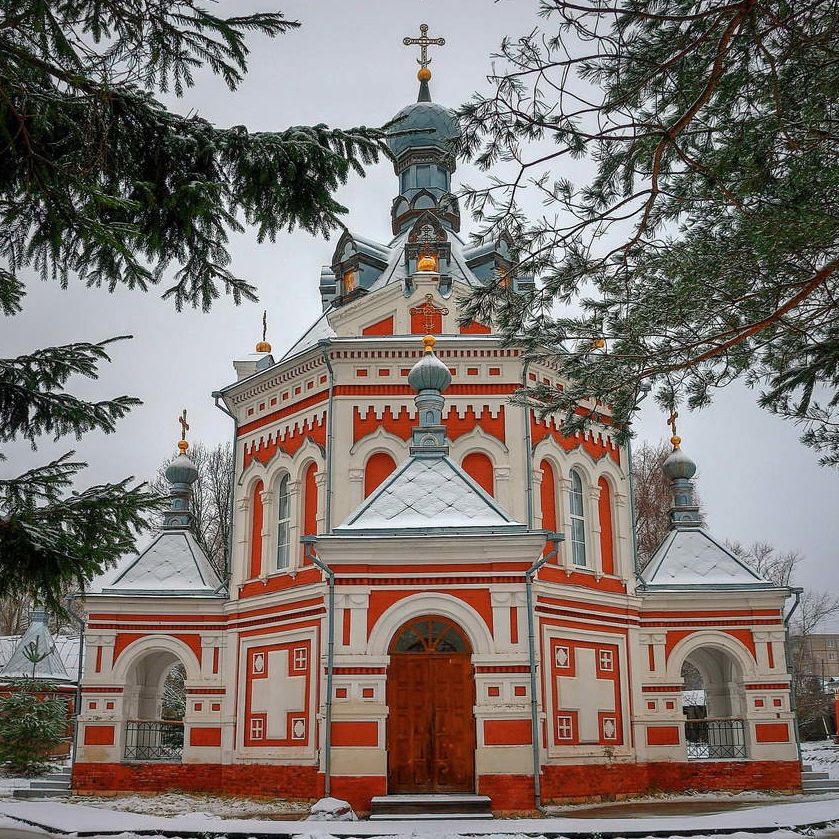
(181, 471)
(434, 126)
(429, 373)
(679, 465)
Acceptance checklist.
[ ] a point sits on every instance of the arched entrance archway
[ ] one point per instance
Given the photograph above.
(154, 708)
(431, 695)
(714, 705)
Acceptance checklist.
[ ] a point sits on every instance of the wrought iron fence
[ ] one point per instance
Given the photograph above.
(710, 738)
(159, 740)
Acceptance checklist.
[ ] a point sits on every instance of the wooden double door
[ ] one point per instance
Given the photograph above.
(431, 696)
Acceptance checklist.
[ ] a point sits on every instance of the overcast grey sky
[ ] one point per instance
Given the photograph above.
(347, 66)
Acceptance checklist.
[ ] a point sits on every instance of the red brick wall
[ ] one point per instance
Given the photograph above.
(302, 782)
(509, 793)
(561, 783)
(358, 790)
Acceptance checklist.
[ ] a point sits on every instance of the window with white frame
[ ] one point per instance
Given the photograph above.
(283, 525)
(578, 520)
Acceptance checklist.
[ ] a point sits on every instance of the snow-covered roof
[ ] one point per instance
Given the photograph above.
(17, 653)
(172, 565)
(395, 272)
(319, 331)
(425, 495)
(67, 647)
(690, 558)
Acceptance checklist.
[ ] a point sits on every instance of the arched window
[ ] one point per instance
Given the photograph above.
(283, 525)
(256, 529)
(548, 496)
(310, 502)
(578, 519)
(604, 513)
(479, 467)
(377, 468)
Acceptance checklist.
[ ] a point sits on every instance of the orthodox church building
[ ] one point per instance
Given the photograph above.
(430, 590)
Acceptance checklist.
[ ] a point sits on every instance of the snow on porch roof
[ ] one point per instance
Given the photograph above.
(172, 565)
(690, 558)
(428, 495)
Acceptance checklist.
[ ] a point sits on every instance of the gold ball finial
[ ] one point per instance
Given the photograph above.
(428, 342)
(263, 345)
(675, 440)
(424, 74)
(182, 443)
(427, 262)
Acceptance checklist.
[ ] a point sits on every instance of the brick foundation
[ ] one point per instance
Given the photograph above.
(509, 793)
(253, 780)
(618, 780)
(358, 790)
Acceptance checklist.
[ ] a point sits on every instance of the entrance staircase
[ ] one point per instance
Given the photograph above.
(429, 807)
(54, 784)
(817, 783)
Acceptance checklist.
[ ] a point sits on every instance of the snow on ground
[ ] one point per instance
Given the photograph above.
(204, 806)
(134, 813)
(777, 821)
(822, 756)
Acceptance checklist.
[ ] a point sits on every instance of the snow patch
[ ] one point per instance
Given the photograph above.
(332, 810)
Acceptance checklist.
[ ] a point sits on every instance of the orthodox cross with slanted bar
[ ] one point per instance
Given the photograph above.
(429, 312)
(424, 42)
(184, 424)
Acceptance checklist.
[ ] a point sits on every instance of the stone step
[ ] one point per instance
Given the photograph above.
(810, 775)
(46, 783)
(58, 775)
(40, 792)
(428, 807)
(828, 785)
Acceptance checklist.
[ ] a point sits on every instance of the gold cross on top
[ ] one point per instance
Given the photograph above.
(184, 424)
(424, 42)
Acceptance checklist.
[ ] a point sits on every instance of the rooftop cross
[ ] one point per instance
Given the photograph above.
(183, 445)
(184, 424)
(424, 42)
(671, 421)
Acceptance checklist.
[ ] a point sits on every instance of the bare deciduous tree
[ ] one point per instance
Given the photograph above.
(210, 502)
(814, 608)
(652, 496)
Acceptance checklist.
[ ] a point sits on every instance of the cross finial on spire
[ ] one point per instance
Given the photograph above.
(183, 445)
(263, 345)
(424, 42)
(671, 421)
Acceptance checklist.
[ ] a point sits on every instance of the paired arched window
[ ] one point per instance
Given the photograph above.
(310, 503)
(550, 520)
(283, 525)
(577, 519)
(607, 537)
(479, 467)
(256, 529)
(379, 465)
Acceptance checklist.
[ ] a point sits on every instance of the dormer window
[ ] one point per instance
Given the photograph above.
(350, 281)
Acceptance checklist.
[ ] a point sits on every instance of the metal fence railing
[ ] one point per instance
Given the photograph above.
(159, 740)
(711, 738)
